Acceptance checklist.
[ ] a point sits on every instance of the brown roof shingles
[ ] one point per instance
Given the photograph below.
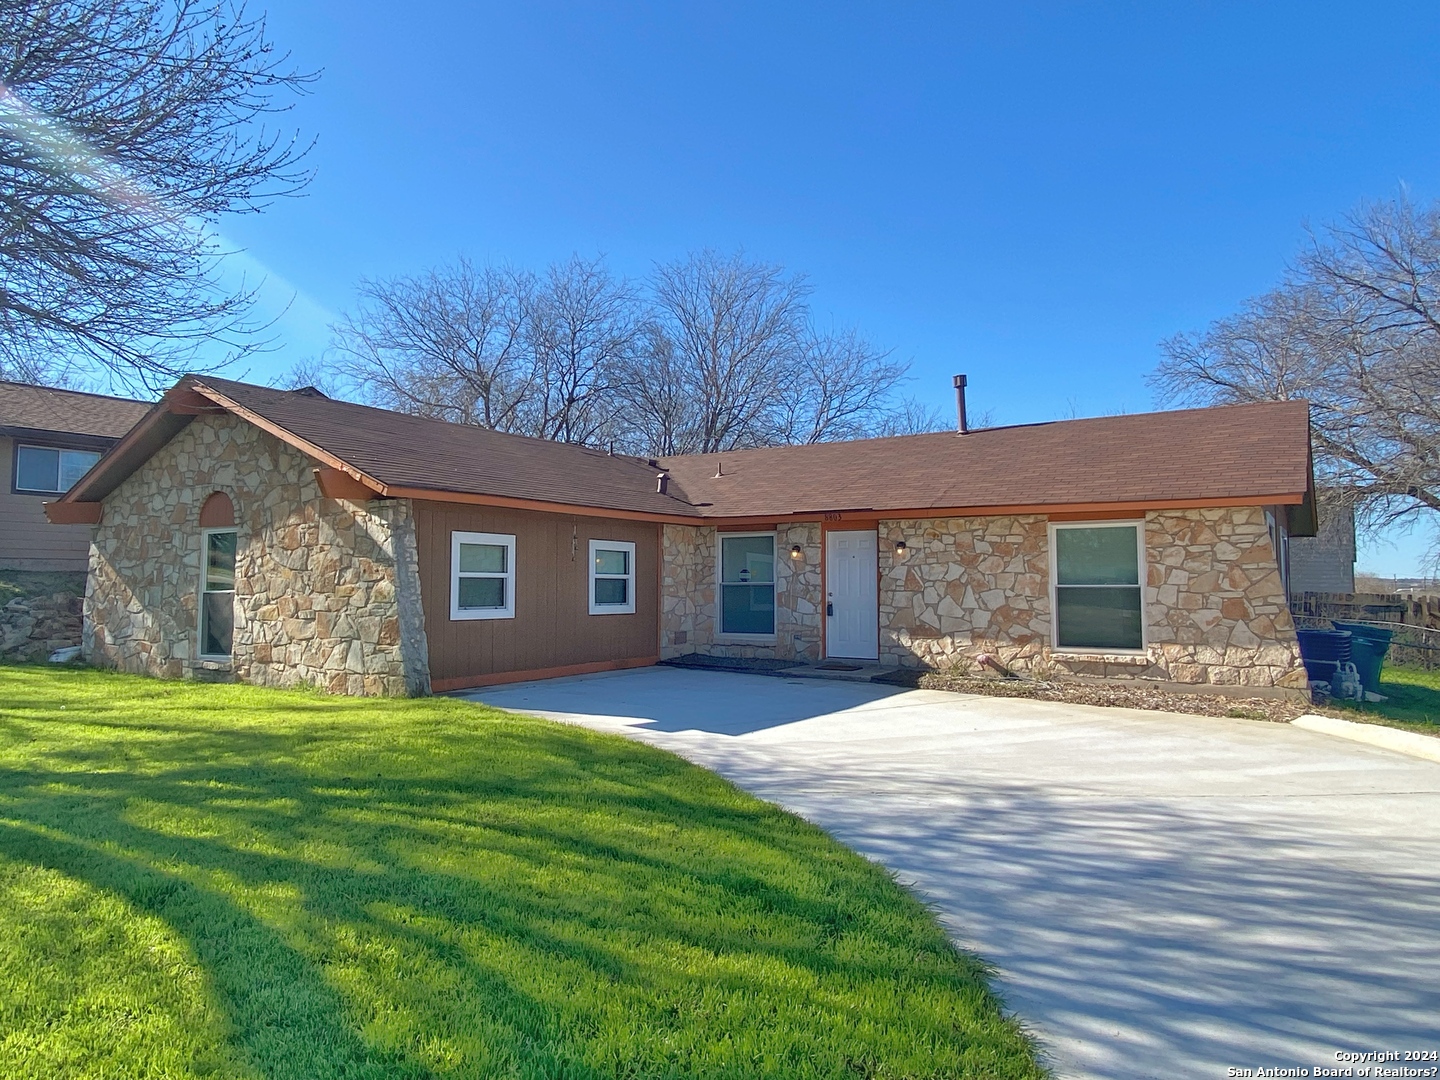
(44, 408)
(405, 451)
(1239, 453)
(1189, 455)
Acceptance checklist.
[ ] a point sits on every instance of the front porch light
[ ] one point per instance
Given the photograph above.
(796, 551)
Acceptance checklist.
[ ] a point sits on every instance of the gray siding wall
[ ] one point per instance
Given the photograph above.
(1326, 562)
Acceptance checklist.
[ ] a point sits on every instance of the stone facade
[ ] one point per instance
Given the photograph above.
(1215, 609)
(326, 591)
(964, 586)
(688, 615)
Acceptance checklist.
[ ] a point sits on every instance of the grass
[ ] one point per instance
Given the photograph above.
(230, 881)
(1414, 700)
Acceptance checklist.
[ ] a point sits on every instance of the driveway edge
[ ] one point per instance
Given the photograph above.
(1388, 738)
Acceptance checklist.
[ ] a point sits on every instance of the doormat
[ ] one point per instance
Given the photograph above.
(835, 665)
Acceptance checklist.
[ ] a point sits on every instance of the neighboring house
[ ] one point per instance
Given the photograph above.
(280, 537)
(1325, 562)
(48, 439)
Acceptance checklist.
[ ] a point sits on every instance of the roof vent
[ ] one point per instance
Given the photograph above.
(719, 471)
(962, 425)
(662, 483)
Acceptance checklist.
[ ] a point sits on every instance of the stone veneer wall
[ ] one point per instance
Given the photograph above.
(1216, 612)
(321, 597)
(689, 595)
(964, 586)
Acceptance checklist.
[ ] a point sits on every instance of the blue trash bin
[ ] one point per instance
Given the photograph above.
(1368, 646)
(1323, 651)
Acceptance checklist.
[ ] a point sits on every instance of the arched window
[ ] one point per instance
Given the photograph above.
(217, 585)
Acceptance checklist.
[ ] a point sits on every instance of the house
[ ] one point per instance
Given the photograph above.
(48, 439)
(280, 537)
(1324, 562)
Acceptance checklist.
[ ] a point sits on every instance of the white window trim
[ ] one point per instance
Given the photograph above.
(205, 535)
(506, 540)
(61, 451)
(721, 636)
(627, 608)
(1138, 525)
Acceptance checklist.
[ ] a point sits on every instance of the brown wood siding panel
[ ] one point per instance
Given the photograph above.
(552, 627)
(27, 540)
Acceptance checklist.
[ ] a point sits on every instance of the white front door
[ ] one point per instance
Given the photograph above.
(852, 595)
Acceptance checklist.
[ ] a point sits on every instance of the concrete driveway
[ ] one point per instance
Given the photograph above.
(1164, 896)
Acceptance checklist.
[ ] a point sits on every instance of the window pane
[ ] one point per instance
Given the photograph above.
(1098, 618)
(1097, 556)
(217, 623)
(609, 561)
(747, 558)
(482, 592)
(612, 591)
(73, 465)
(747, 609)
(37, 469)
(482, 558)
(220, 561)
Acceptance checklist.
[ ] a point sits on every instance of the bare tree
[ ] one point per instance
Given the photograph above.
(841, 388)
(496, 346)
(656, 408)
(312, 372)
(1355, 330)
(450, 343)
(720, 354)
(735, 361)
(127, 129)
(733, 331)
(913, 417)
(583, 326)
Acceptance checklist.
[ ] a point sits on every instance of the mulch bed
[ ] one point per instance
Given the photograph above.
(1107, 694)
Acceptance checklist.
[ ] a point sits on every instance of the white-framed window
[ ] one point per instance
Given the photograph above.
(1097, 570)
(747, 585)
(612, 577)
(217, 593)
(50, 470)
(482, 575)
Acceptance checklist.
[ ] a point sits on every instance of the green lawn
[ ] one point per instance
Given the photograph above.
(1414, 700)
(232, 882)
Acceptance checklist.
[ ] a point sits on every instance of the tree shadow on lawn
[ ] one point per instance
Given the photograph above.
(538, 903)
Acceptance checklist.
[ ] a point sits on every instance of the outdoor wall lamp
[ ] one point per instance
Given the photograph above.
(900, 548)
(795, 551)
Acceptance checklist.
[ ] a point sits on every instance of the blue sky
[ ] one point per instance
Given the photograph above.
(1031, 194)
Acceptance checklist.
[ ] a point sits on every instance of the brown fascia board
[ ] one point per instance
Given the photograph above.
(338, 484)
(72, 513)
(541, 505)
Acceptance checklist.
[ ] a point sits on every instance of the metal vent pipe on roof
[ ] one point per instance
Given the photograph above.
(963, 426)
